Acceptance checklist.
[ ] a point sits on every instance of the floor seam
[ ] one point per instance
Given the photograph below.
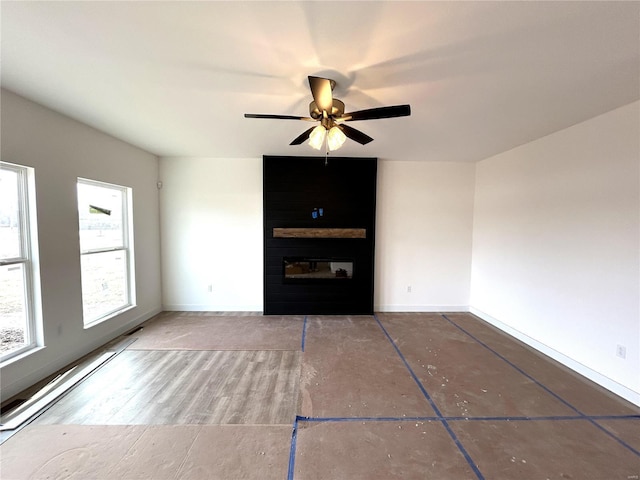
(446, 425)
(292, 450)
(558, 418)
(184, 460)
(304, 333)
(133, 445)
(541, 385)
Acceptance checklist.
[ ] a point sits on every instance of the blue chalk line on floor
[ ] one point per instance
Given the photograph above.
(435, 408)
(292, 451)
(466, 419)
(544, 387)
(444, 420)
(304, 332)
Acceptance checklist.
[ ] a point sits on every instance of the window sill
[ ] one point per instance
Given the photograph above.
(20, 356)
(107, 317)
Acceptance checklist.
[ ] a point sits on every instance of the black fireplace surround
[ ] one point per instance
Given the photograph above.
(319, 235)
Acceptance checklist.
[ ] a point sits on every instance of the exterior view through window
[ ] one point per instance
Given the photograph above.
(17, 276)
(105, 245)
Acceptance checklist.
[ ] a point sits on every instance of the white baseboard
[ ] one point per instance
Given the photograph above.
(611, 385)
(189, 307)
(421, 308)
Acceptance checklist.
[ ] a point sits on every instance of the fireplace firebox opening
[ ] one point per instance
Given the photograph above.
(305, 269)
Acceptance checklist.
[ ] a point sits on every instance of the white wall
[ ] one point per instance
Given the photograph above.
(211, 217)
(61, 150)
(212, 234)
(556, 246)
(423, 236)
(547, 249)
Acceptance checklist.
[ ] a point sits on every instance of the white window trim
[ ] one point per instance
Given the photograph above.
(127, 248)
(29, 261)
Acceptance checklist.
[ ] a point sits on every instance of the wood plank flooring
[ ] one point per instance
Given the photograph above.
(390, 396)
(186, 387)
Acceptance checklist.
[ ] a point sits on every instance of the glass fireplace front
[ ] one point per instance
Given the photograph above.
(301, 268)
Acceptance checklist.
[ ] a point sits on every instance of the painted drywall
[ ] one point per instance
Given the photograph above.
(556, 246)
(61, 150)
(211, 230)
(423, 238)
(211, 212)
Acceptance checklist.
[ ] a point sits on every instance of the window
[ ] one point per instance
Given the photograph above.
(18, 328)
(105, 246)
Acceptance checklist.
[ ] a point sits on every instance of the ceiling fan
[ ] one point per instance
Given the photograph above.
(330, 113)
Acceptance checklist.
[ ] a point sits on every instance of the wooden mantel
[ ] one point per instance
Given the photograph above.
(319, 233)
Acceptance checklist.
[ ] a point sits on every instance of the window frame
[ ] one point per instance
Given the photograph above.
(126, 248)
(27, 260)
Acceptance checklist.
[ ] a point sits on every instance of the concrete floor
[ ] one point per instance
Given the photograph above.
(409, 396)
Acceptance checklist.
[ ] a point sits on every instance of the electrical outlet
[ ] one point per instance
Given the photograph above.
(210, 288)
(621, 351)
(408, 288)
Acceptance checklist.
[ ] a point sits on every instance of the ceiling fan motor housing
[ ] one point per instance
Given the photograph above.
(337, 110)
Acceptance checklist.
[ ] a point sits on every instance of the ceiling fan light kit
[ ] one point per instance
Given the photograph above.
(335, 138)
(330, 113)
(317, 136)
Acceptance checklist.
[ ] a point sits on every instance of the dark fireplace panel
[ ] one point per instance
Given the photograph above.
(319, 235)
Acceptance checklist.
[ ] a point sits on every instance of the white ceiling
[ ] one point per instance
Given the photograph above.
(175, 78)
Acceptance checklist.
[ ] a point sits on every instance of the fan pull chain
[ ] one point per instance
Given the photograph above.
(326, 151)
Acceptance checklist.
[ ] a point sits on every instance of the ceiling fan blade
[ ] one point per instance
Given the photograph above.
(303, 137)
(380, 112)
(321, 91)
(277, 117)
(355, 135)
